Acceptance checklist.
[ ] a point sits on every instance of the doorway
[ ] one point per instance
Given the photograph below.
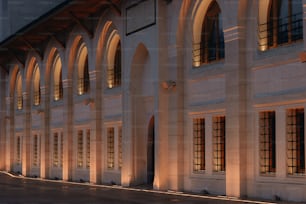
(150, 152)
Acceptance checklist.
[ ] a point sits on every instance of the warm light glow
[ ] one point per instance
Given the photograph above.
(112, 47)
(19, 91)
(82, 63)
(36, 85)
(57, 77)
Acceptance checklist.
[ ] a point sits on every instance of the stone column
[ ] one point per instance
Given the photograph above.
(96, 127)
(162, 171)
(9, 126)
(26, 139)
(236, 103)
(127, 136)
(2, 119)
(45, 132)
(68, 130)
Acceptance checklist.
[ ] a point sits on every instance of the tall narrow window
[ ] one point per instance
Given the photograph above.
(114, 66)
(83, 71)
(117, 66)
(18, 149)
(285, 22)
(212, 37)
(80, 152)
(36, 85)
(120, 147)
(110, 148)
(198, 144)
(219, 143)
(57, 78)
(87, 148)
(295, 141)
(267, 142)
(35, 150)
(55, 150)
(19, 91)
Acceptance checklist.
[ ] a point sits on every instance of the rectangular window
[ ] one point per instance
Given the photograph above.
(87, 148)
(18, 149)
(110, 148)
(219, 143)
(35, 150)
(198, 144)
(120, 147)
(80, 149)
(55, 150)
(295, 141)
(267, 142)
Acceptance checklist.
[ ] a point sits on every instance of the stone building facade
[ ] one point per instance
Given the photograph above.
(184, 95)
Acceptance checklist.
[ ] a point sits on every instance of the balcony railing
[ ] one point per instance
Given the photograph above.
(19, 102)
(58, 92)
(281, 31)
(83, 85)
(37, 98)
(205, 53)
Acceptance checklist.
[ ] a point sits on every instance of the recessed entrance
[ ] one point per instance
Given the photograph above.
(150, 152)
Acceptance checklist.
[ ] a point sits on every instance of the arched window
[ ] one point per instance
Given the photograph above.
(83, 73)
(114, 63)
(57, 78)
(284, 23)
(212, 37)
(36, 85)
(19, 91)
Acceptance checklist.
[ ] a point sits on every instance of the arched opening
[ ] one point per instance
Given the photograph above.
(114, 61)
(36, 85)
(208, 37)
(142, 106)
(19, 99)
(151, 153)
(83, 72)
(57, 78)
(280, 22)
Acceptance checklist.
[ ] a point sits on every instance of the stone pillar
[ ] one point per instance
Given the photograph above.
(162, 171)
(127, 169)
(2, 119)
(9, 126)
(45, 135)
(26, 139)
(68, 130)
(96, 127)
(236, 103)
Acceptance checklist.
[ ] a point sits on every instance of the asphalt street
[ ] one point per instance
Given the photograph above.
(23, 190)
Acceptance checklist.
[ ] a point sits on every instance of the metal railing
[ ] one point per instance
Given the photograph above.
(280, 31)
(19, 102)
(58, 92)
(205, 53)
(83, 85)
(37, 97)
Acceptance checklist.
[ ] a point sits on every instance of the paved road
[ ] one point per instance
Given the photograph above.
(20, 190)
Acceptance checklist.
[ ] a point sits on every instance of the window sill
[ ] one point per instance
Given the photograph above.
(207, 71)
(113, 91)
(283, 49)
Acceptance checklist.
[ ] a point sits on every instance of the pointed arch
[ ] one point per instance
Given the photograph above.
(82, 69)
(208, 37)
(36, 85)
(279, 22)
(114, 60)
(57, 77)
